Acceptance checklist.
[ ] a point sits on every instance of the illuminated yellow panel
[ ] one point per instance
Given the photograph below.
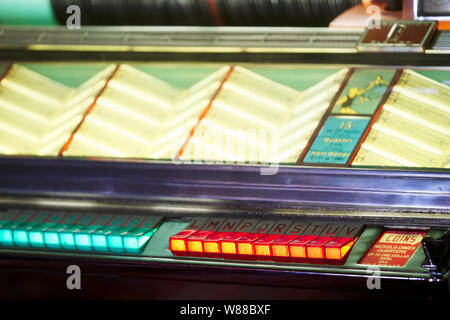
(262, 250)
(333, 253)
(141, 116)
(195, 246)
(228, 247)
(211, 247)
(177, 245)
(39, 114)
(280, 251)
(256, 120)
(298, 251)
(245, 248)
(338, 253)
(345, 249)
(315, 252)
(412, 129)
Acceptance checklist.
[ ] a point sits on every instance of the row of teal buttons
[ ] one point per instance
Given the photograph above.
(96, 237)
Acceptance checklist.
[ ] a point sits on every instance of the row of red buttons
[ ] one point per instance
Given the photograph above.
(264, 246)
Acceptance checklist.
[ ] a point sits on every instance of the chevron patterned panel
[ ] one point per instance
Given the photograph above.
(140, 116)
(413, 127)
(37, 114)
(251, 119)
(254, 119)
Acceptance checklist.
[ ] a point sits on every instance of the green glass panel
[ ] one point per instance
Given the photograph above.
(26, 12)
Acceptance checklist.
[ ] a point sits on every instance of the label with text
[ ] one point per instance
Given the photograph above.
(393, 248)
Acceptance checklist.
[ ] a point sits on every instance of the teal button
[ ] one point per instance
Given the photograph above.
(21, 234)
(67, 236)
(131, 244)
(7, 234)
(51, 235)
(36, 235)
(51, 240)
(6, 237)
(67, 240)
(20, 238)
(115, 243)
(135, 239)
(83, 241)
(36, 239)
(99, 242)
(114, 237)
(84, 238)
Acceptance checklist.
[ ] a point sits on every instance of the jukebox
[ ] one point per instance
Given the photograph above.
(233, 150)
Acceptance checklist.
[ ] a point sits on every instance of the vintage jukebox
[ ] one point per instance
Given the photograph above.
(254, 160)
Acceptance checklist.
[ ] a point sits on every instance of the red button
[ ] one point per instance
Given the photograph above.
(280, 248)
(337, 249)
(195, 243)
(228, 244)
(297, 248)
(262, 246)
(211, 244)
(315, 249)
(246, 247)
(178, 243)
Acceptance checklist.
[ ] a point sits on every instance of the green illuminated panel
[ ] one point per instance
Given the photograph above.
(69, 231)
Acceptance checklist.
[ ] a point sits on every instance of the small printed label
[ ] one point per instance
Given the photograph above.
(336, 140)
(393, 248)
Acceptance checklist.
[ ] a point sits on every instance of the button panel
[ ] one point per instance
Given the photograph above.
(76, 231)
(265, 240)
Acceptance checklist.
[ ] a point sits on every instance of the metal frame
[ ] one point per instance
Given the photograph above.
(290, 187)
(180, 39)
(186, 39)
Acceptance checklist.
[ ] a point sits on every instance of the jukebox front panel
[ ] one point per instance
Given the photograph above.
(359, 157)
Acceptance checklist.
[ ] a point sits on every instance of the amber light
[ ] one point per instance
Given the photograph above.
(228, 244)
(228, 247)
(315, 248)
(280, 251)
(262, 246)
(211, 244)
(280, 248)
(262, 250)
(178, 244)
(246, 249)
(297, 247)
(211, 247)
(195, 244)
(338, 248)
